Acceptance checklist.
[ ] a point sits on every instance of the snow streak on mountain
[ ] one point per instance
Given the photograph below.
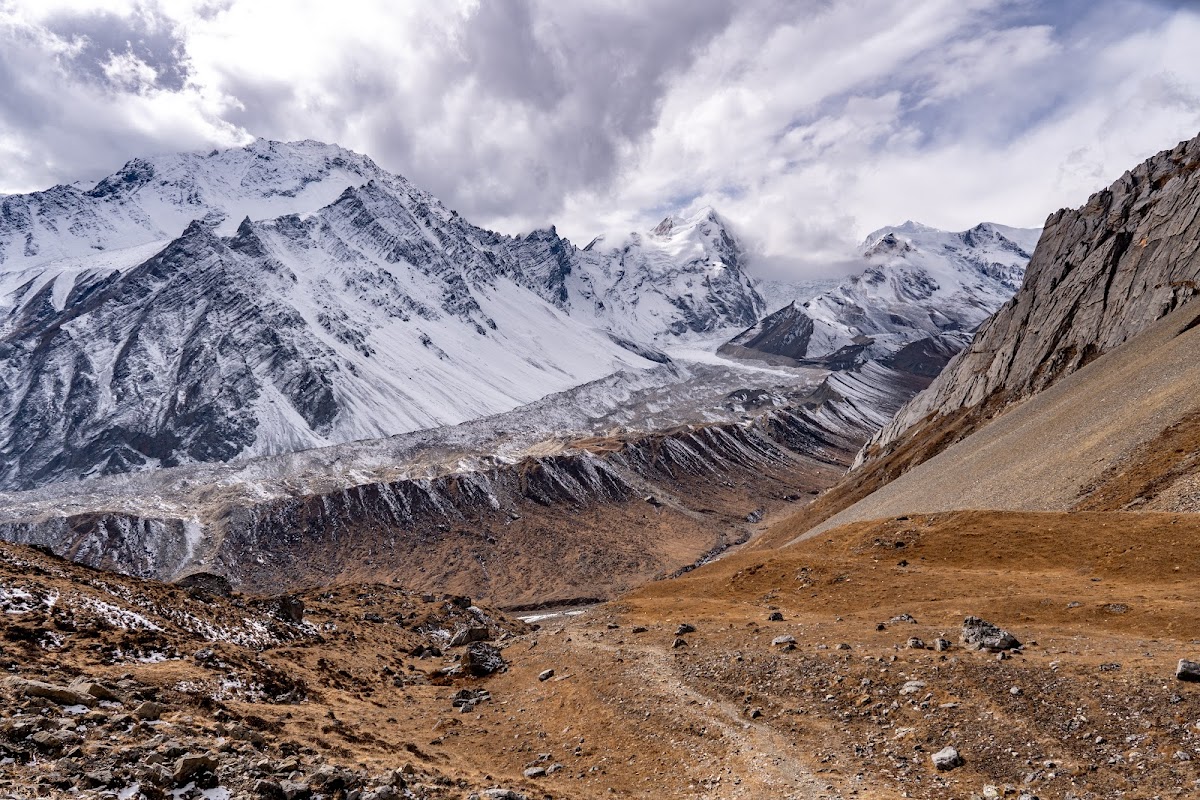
(277, 297)
(919, 283)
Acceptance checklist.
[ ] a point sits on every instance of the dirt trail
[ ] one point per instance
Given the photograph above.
(751, 757)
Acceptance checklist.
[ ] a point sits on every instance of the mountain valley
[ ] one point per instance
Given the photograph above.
(927, 531)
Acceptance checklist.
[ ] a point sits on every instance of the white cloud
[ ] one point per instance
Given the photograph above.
(807, 122)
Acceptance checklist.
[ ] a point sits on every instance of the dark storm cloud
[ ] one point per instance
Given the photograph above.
(524, 103)
(145, 34)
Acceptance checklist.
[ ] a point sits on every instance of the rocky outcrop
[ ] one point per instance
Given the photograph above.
(1101, 274)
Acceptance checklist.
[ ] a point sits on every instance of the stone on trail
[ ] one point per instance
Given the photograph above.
(946, 759)
(1188, 670)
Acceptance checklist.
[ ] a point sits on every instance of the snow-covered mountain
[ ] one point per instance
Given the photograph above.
(282, 296)
(685, 275)
(919, 282)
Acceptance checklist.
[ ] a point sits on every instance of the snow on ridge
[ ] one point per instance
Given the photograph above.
(366, 310)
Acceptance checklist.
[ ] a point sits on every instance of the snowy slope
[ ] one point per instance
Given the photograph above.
(779, 293)
(686, 275)
(918, 282)
(285, 296)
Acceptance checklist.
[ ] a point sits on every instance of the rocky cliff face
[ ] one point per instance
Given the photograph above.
(1101, 274)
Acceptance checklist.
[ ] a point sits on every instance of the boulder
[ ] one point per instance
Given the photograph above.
(192, 764)
(62, 695)
(472, 633)
(149, 710)
(482, 659)
(93, 689)
(1188, 670)
(201, 583)
(978, 634)
(946, 759)
(287, 607)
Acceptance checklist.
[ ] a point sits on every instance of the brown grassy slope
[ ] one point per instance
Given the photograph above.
(1110, 600)
(727, 715)
(1048, 451)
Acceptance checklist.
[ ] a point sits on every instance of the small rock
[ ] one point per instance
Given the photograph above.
(899, 618)
(545, 675)
(535, 772)
(779, 641)
(638, 629)
(843, 646)
(149, 710)
(192, 764)
(915, 643)
(946, 759)
(685, 627)
(473, 633)
(912, 687)
(1188, 670)
(941, 645)
(93, 689)
(679, 643)
(775, 616)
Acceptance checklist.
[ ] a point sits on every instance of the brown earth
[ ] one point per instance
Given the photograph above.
(1104, 602)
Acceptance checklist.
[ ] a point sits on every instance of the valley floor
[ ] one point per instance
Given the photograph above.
(1104, 603)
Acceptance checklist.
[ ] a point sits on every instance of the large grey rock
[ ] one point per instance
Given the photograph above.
(192, 764)
(978, 634)
(482, 659)
(1188, 670)
(946, 759)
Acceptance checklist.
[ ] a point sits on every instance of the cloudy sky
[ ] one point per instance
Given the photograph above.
(809, 123)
